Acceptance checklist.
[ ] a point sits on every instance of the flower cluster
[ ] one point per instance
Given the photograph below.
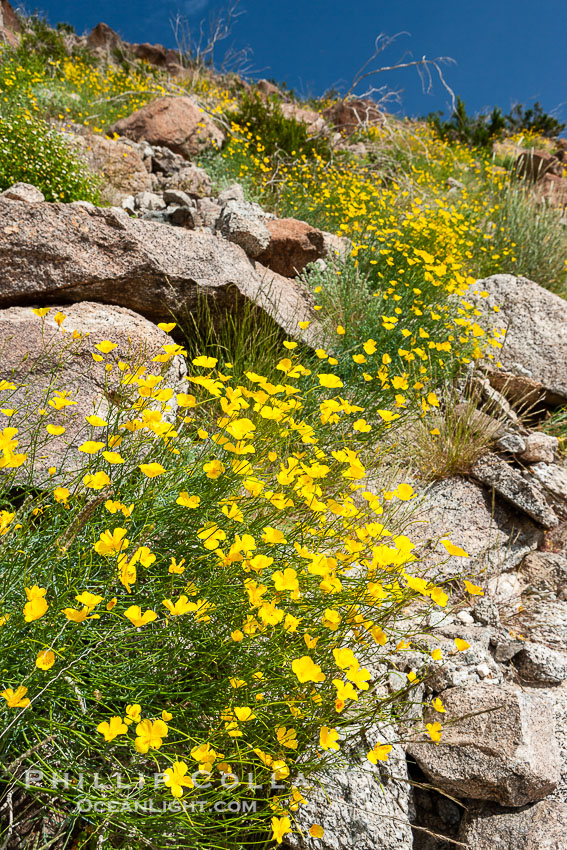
(210, 600)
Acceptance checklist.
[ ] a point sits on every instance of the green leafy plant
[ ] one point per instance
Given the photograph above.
(276, 133)
(42, 40)
(535, 120)
(360, 316)
(34, 152)
(480, 130)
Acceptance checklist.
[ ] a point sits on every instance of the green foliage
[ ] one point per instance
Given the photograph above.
(476, 131)
(277, 133)
(535, 120)
(480, 130)
(42, 40)
(41, 43)
(33, 152)
(224, 174)
(62, 26)
(557, 426)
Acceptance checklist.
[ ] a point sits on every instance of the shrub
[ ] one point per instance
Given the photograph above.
(43, 41)
(534, 120)
(33, 152)
(274, 132)
(479, 131)
(193, 608)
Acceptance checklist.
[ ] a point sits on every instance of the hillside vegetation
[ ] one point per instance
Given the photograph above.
(197, 598)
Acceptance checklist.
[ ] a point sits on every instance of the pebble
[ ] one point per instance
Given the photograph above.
(466, 618)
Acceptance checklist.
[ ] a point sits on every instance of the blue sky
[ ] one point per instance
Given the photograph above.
(506, 51)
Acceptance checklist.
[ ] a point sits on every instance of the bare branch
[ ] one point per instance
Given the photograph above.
(237, 61)
(445, 85)
(199, 49)
(386, 95)
(381, 43)
(424, 66)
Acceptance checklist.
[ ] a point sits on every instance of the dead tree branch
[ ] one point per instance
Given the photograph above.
(425, 67)
(199, 48)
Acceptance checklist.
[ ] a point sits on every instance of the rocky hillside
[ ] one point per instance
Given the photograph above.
(283, 520)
